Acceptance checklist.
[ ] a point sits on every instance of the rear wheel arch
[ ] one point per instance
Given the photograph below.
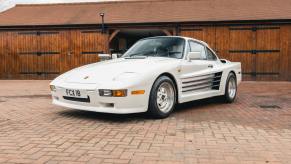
(232, 71)
(227, 96)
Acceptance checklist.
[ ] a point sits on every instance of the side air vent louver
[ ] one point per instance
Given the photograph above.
(216, 80)
(202, 82)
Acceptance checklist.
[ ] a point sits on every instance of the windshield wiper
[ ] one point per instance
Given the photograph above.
(142, 53)
(136, 57)
(134, 54)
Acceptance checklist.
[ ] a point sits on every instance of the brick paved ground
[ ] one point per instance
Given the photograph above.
(34, 131)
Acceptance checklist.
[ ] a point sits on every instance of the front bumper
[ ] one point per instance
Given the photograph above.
(118, 105)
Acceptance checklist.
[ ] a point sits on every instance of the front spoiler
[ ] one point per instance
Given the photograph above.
(99, 109)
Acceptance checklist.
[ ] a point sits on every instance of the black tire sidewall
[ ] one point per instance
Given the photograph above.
(226, 96)
(153, 108)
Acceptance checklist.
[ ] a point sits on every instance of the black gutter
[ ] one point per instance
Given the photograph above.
(153, 24)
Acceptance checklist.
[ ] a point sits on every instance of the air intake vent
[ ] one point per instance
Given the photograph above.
(202, 82)
(216, 80)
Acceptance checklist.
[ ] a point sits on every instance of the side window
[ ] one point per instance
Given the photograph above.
(210, 55)
(196, 47)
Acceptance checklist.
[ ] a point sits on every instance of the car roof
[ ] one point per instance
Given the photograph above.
(182, 37)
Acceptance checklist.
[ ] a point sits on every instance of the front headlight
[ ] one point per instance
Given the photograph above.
(113, 93)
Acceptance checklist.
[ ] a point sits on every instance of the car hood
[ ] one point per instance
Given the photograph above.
(108, 71)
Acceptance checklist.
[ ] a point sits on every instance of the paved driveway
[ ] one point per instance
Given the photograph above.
(254, 129)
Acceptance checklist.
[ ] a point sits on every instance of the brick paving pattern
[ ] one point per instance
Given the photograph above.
(254, 129)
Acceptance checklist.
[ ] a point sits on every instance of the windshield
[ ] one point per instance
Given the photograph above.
(157, 47)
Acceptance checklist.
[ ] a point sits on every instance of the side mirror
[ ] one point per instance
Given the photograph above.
(224, 61)
(114, 56)
(194, 56)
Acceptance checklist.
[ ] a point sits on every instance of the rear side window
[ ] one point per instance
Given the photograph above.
(196, 47)
(210, 55)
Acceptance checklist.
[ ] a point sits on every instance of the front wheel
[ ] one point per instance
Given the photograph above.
(230, 88)
(162, 98)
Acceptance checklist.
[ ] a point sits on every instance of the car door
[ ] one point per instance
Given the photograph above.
(199, 65)
(200, 78)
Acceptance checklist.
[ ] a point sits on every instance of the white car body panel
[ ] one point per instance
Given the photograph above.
(138, 74)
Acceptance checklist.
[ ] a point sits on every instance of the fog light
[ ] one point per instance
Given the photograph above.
(53, 88)
(56, 97)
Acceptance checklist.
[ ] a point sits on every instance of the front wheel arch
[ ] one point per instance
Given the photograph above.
(153, 110)
(174, 81)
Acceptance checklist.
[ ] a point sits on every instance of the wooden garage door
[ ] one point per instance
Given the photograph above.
(50, 50)
(27, 48)
(258, 49)
(9, 57)
(267, 53)
(93, 43)
(206, 34)
(81, 47)
(38, 54)
(241, 44)
(3, 48)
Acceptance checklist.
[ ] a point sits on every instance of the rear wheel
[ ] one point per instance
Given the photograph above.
(230, 88)
(162, 98)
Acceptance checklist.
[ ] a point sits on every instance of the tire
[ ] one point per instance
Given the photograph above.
(230, 88)
(162, 99)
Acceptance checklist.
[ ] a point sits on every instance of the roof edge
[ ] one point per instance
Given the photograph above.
(100, 2)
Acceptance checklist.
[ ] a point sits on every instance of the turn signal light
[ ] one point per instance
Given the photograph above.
(119, 93)
(138, 92)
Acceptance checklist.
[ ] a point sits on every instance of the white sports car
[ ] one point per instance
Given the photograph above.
(152, 76)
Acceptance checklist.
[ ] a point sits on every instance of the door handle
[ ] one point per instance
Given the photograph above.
(210, 66)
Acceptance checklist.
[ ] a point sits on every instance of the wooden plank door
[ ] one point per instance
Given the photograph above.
(38, 54)
(49, 53)
(267, 53)
(206, 34)
(222, 42)
(69, 50)
(3, 52)
(241, 44)
(93, 43)
(27, 51)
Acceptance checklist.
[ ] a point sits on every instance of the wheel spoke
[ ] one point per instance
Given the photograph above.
(165, 97)
(232, 88)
